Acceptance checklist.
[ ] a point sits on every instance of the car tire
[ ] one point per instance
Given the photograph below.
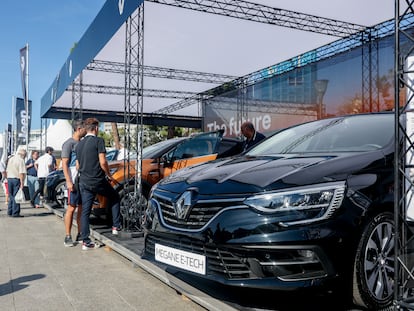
(132, 208)
(59, 195)
(373, 275)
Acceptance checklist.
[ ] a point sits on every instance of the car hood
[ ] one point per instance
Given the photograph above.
(243, 175)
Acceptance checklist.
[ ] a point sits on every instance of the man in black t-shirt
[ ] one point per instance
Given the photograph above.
(93, 173)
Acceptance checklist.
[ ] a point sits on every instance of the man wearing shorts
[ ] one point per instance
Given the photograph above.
(70, 172)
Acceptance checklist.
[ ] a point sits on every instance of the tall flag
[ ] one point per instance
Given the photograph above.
(23, 70)
(22, 122)
(9, 140)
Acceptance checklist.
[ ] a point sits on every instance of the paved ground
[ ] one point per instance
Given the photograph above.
(38, 273)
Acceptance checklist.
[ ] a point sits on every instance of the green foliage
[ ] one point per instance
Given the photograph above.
(151, 135)
(109, 141)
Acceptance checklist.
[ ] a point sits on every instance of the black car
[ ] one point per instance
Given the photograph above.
(311, 206)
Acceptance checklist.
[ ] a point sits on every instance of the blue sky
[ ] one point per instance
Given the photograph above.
(50, 27)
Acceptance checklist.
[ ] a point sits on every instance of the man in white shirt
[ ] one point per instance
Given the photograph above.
(44, 166)
(16, 174)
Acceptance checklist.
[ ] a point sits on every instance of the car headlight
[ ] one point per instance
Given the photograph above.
(316, 201)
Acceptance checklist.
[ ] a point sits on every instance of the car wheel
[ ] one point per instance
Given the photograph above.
(373, 275)
(132, 207)
(60, 193)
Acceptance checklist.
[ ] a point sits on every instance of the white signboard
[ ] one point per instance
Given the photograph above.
(180, 259)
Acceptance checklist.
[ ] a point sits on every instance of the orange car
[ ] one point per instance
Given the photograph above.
(163, 158)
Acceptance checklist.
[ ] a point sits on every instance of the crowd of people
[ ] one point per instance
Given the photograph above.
(86, 173)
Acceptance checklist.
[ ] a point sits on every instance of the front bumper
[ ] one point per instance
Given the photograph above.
(240, 252)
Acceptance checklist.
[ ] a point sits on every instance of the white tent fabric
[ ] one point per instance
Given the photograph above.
(192, 40)
(55, 136)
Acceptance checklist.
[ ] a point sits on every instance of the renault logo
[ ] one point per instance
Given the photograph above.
(183, 205)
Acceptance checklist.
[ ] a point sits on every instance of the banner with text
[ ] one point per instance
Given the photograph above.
(221, 115)
(9, 141)
(22, 121)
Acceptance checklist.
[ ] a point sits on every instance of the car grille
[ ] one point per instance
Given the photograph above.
(200, 214)
(219, 260)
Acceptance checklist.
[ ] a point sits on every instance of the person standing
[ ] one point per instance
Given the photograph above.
(32, 182)
(3, 177)
(70, 172)
(16, 174)
(3, 174)
(44, 165)
(93, 174)
(252, 136)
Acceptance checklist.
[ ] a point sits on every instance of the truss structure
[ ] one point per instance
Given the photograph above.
(370, 70)
(119, 90)
(232, 104)
(163, 73)
(268, 15)
(360, 39)
(404, 162)
(132, 204)
(77, 97)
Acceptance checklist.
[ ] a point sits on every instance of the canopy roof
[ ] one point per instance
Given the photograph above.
(181, 39)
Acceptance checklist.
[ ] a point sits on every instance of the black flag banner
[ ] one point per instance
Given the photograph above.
(22, 123)
(23, 69)
(9, 139)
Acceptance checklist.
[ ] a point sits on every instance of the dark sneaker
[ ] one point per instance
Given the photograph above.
(78, 239)
(89, 246)
(115, 230)
(68, 241)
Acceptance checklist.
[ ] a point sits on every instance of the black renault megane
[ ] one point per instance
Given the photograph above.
(309, 206)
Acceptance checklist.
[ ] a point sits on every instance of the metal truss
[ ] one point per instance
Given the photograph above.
(163, 73)
(231, 104)
(77, 98)
(370, 71)
(118, 90)
(241, 101)
(404, 161)
(133, 200)
(186, 102)
(268, 15)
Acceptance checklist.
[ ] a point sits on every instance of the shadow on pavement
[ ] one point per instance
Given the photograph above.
(18, 283)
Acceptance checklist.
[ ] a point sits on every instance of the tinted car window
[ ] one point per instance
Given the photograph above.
(229, 147)
(152, 151)
(200, 145)
(353, 134)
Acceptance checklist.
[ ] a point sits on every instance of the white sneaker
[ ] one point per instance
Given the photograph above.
(115, 230)
(89, 246)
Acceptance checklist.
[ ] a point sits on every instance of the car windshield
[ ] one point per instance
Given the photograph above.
(354, 133)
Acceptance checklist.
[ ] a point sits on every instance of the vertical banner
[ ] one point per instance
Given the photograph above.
(23, 70)
(22, 121)
(9, 140)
